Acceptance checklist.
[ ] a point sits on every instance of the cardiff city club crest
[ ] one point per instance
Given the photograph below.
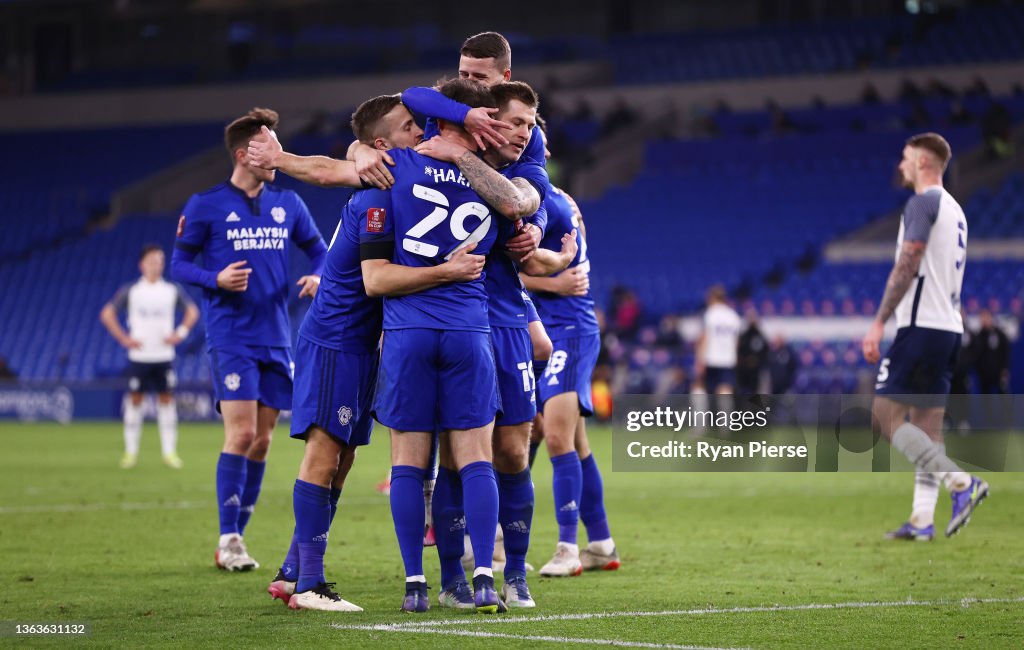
(344, 415)
(232, 381)
(278, 213)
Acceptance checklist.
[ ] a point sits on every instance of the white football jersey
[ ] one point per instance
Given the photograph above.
(151, 307)
(721, 336)
(933, 300)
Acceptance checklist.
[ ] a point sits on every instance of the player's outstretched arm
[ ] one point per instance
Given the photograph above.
(381, 277)
(572, 282)
(108, 316)
(514, 199)
(266, 152)
(900, 278)
(545, 262)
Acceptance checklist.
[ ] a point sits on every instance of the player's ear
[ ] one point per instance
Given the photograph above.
(381, 144)
(507, 74)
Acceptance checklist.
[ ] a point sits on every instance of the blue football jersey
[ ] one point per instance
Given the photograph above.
(504, 288)
(224, 225)
(565, 316)
(342, 316)
(433, 213)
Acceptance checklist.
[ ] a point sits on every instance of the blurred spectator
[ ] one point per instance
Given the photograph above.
(782, 366)
(625, 312)
(996, 128)
(620, 117)
(752, 356)
(669, 335)
(991, 356)
(6, 372)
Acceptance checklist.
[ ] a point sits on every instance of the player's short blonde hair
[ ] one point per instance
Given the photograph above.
(934, 144)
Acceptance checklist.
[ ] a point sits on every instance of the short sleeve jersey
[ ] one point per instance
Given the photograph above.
(721, 336)
(150, 309)
(565, 316)
(224, 225)
(342, 316)
(433, 212)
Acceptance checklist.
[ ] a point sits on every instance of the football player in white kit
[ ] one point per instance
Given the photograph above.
(150, 304)
(923, 292)
(715, 363)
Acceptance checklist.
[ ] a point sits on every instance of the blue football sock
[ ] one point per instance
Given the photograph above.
(312, 522)
(449, 525)
(407, 512)
(230, 483)
(480, 501)
(567, 486)
(515, 513)
(534, 446)
(592, 501)
(290, 566)
(251, 493)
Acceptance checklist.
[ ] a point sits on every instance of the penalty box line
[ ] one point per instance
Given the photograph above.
(426, 626)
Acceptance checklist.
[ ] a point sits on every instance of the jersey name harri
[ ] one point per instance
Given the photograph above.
(445, 176)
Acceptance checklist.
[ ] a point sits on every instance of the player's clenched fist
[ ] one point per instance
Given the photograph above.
(233, 277)
(464, 267)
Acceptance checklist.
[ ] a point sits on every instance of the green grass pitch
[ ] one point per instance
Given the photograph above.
(743, 560)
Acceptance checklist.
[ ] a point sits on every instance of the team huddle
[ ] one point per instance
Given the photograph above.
(420, 320)
(452, 305)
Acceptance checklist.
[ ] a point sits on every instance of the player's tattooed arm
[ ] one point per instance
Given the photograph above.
(514, 199)
(901, 277)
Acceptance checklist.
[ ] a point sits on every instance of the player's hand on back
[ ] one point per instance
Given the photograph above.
(233, 277)
(872, 340)
(309, 284)
(464, 266)
(573, 282)
(441, 149)
(372, 166)
(484, 128)
(569, 247)
(264, 149)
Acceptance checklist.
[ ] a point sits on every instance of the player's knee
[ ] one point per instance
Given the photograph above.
(542, 347)
(510, 456)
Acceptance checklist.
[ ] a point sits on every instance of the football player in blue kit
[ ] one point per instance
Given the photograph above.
(565, 400)
(508, 316)
(243, 228)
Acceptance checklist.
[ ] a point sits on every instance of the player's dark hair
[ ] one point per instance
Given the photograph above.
(506, 91)
(366, 120)
(543, 124)
(934, 143)
(488, 45)
(716, 294)
(468, 92)
(149, 248)
(238, 133)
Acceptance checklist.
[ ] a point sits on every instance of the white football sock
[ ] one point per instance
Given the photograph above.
(915, 444)
(167, 422)
(132, 427)
(602, 546)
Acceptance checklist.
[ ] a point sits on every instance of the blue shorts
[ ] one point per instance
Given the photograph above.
(715, 376)
(256, 373)
(918, 367)
(436, 380)
(151, 377)
(569, 369)
(333, 392)
(513, 357)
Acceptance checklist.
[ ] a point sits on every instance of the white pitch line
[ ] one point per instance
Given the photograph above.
(521, 637)
(421, 625)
